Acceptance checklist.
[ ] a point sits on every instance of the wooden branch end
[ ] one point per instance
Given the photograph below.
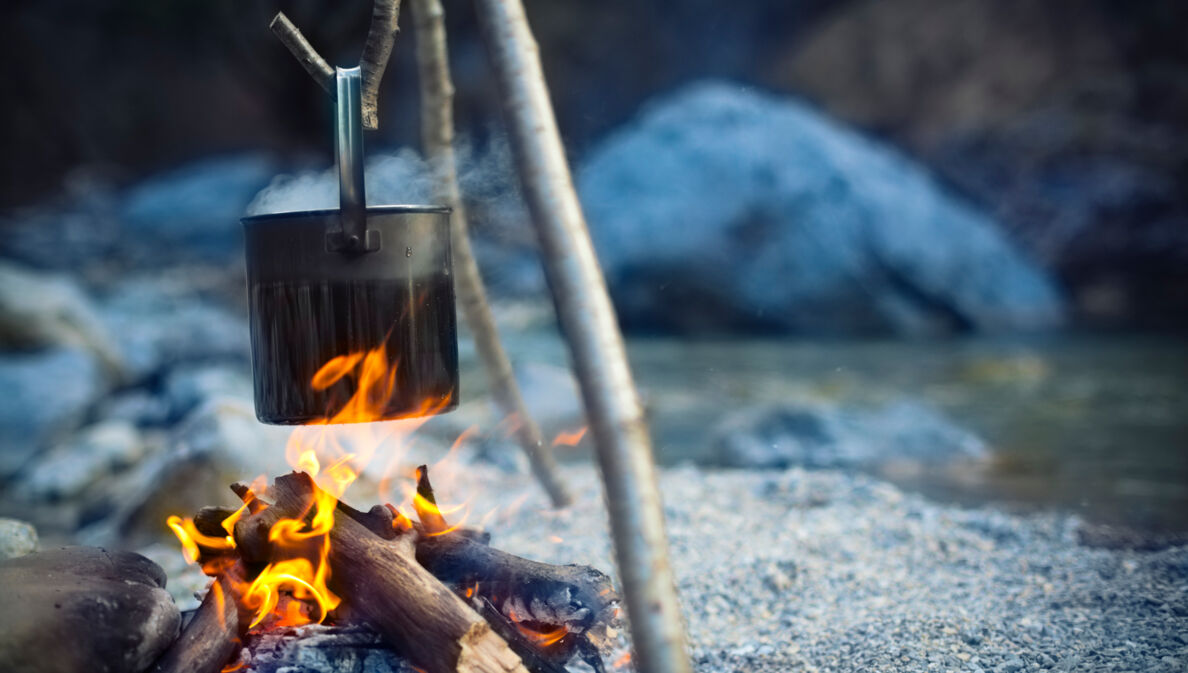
(303, 51)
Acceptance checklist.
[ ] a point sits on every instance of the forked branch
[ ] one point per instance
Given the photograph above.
(381, 36)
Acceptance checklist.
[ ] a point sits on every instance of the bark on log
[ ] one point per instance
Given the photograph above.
(437, 140)
(588, 322)
(381, 35)
(578, 597)
(386, 588)
(303, 51)
(214, 633)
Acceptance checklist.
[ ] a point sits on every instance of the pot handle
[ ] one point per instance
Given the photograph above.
(348, 144)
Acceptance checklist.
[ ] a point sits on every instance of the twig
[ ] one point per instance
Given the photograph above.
(595, 344)
(303, 51)
(381, 35)
(437, 137)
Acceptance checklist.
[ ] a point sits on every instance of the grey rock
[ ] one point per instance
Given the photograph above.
(218, 443)
(193, 212)
(48, 395)
(189, 386)
(139, 406)
(725, 209)
(94, 453)
(17, 538)
(84, 609)
(160, 326)
(39, 310)
(820, 435)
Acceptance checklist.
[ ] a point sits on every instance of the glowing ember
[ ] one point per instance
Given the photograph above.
(541, 638)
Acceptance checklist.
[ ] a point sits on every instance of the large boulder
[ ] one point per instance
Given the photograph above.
(84, 609)
(724, 209)
(1033, 111)
(48, 394)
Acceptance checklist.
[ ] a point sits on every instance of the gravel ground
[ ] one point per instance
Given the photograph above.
(799, 570)
(828, 571)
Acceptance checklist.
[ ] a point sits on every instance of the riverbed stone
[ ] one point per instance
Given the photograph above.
(48, 394)
(163, 325)
(724, 209)
(75, 609)
(17, 538)
(91, 455)
(40, 310)
(193, 212)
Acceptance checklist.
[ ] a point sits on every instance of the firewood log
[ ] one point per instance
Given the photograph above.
(214, 633)
(385, 587)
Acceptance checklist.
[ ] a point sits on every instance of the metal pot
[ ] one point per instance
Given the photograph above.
(330, 283)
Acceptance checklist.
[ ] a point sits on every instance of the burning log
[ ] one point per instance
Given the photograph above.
(386, 588)
(215, 631)
(546, 613)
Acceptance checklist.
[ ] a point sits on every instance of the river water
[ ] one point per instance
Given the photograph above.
(1097, 425)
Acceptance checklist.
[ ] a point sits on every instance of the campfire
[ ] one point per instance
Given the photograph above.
(295, 553)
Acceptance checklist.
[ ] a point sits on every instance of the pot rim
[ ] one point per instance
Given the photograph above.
(323, 212)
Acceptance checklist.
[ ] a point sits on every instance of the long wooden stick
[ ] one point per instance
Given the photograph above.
(437, 138)
(595, 344)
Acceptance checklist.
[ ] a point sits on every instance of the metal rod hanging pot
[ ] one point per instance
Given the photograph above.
(330, 283)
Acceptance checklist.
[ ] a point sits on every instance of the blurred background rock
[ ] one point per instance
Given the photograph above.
(1063, 119)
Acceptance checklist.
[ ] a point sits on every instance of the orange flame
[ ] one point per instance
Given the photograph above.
(541, 638)
(190, 538)
(623, 660)
(570, 438)
(293, 589)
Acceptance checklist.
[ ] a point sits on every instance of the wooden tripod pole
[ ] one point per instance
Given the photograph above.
(595, 344)
(437, 138)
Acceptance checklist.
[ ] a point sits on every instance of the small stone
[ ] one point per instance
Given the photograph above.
(1010, 665)
(17, 538)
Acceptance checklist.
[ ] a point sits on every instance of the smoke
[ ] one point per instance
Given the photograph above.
(390, 179)
(498, 218)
